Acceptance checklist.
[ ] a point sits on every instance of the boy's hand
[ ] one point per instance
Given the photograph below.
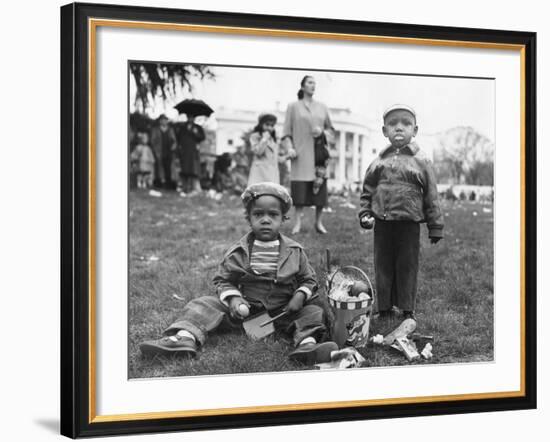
(235, 309)
(297, 302)
(367, 222)
(435, 239)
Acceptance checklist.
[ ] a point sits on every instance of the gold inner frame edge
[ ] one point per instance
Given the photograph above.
(93, 23)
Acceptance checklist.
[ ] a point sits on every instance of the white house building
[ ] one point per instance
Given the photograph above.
(351, 151)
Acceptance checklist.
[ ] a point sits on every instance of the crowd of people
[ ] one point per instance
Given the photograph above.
(157, 154)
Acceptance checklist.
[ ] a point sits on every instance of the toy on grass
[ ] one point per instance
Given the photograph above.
(348, 357)
(261, 324)
(405, 328)
(351, 296)
(404, 340)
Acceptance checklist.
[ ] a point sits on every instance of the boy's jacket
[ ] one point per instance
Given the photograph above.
(235, 277)
(400, 185)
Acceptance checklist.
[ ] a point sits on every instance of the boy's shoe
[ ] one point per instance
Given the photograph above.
(407, 314)
(313, 353)
(170, 345)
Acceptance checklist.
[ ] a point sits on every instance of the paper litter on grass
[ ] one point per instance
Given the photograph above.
(348, 357)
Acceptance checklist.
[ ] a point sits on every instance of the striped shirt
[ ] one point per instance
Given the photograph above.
(264, 257)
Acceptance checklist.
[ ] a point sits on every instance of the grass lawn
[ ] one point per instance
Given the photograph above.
(176, 244)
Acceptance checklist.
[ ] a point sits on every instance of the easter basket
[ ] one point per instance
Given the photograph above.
(351, 298)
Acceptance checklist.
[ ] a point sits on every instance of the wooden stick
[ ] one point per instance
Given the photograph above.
(284, 312)
(269, 321)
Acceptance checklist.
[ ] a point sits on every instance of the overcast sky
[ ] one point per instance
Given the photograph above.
(440, 103)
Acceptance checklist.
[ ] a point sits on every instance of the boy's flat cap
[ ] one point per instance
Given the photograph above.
(398, 107)
(257, 190)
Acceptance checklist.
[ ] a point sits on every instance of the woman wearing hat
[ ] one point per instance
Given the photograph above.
(265, 151)
(306, 121)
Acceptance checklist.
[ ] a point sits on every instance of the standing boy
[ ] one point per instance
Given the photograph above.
(399, 193)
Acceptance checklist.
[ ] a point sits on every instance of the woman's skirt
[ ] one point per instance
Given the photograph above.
(302, 194)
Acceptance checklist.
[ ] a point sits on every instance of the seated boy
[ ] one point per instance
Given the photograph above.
(264, 270)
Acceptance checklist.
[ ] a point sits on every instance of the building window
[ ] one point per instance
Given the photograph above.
(373, 150)
(230, 142)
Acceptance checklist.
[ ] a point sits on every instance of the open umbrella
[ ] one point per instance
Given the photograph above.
(194, 107)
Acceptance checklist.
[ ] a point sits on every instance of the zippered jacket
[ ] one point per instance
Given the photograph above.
(400, 185)
(236, 278)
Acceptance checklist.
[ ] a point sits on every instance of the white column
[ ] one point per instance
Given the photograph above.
(355, 158)
(364, 155)
(342, 158)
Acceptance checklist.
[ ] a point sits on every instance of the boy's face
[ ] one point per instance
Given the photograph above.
(266, 217)
(400, 127)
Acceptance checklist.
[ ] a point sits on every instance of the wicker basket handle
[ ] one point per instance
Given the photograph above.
(357, 269)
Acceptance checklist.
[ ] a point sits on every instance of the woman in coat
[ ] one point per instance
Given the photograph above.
(163, 142)
(189, 138)
(306, 119)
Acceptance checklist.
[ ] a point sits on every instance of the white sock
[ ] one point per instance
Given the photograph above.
(186, 334)
(308, 340)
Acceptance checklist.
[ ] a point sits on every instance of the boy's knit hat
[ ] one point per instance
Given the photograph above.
(398, 107)
(257, 190)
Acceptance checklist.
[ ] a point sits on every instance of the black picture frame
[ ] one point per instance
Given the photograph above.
(76, 248)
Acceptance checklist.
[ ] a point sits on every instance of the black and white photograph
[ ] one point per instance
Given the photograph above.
(275, 221)
(286, 219)
(283, 220)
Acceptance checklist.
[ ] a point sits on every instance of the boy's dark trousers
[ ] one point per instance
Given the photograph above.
(207, 313)
(396, 253)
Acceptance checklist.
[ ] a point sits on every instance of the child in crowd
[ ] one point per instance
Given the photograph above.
(263, 271)
(265, 150)
(145, 159)
(399, 193)
(240, 169)
(321, 156)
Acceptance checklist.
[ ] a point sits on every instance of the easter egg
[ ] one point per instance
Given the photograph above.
(359, 287)
(243, 310)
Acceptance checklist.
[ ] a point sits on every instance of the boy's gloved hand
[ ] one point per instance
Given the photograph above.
(435, 239)
(297, 302)
(238, 307)
(367, 222)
